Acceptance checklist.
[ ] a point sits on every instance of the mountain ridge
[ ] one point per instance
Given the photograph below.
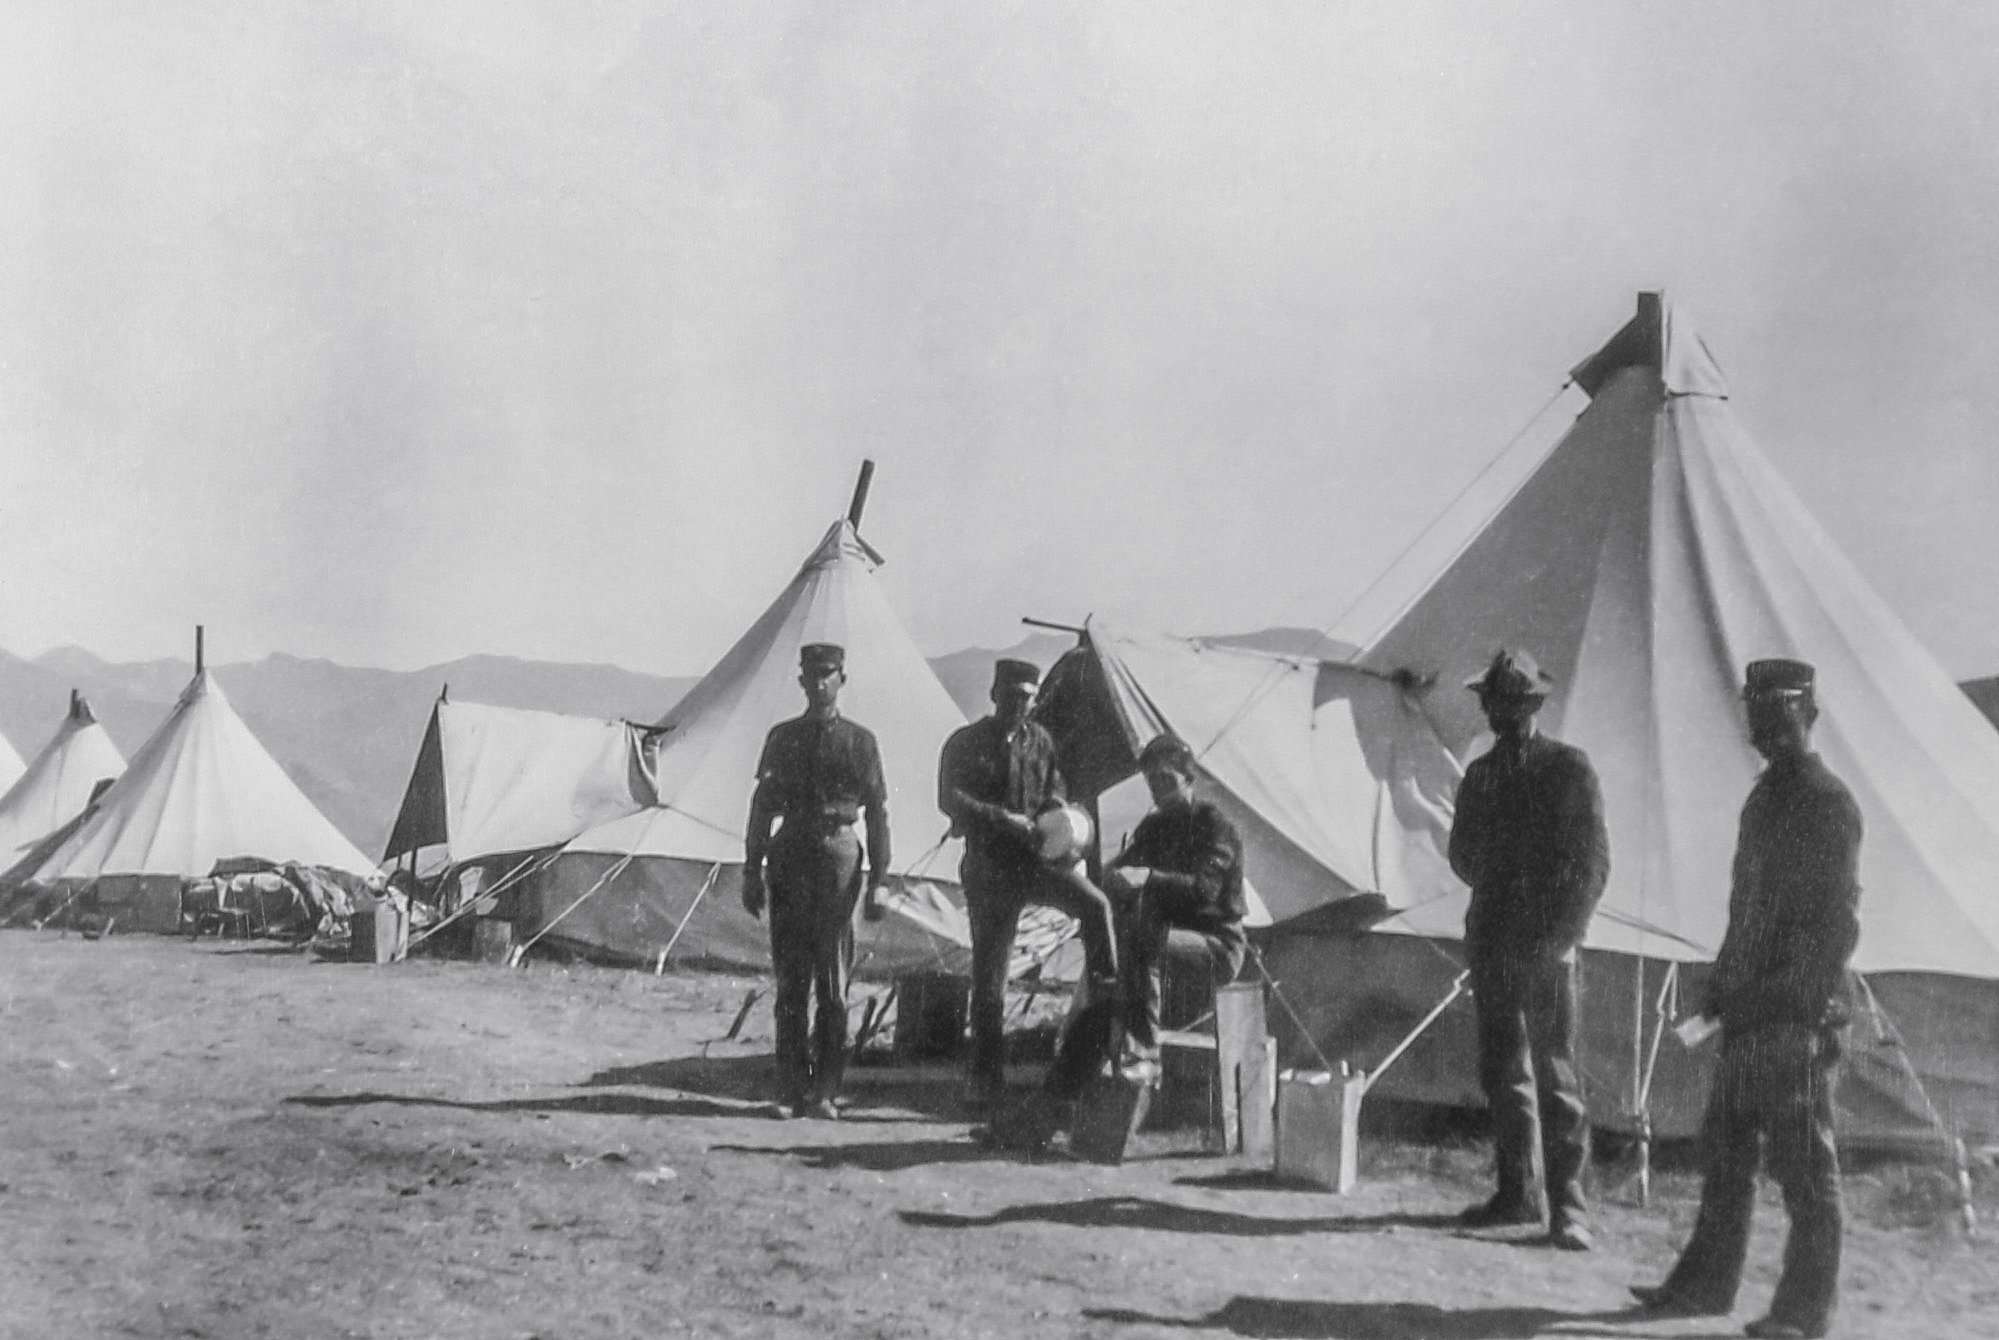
(348, 735)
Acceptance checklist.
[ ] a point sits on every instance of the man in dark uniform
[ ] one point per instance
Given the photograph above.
(1777, 991)
(1179, 889)
(819, 774)
(993, 778)
(1529, 839)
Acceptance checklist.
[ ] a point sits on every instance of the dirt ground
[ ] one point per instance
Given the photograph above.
(227, 1139)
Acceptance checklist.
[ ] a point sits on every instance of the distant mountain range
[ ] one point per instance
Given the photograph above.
(349, 735)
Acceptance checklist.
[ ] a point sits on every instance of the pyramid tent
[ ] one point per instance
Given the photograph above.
(200, 790)
(59, 782)
(1644, 558)
(670, 874)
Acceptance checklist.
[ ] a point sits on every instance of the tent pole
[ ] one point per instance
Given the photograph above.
(688, 915)
(1884, 1026)
(1457, 989)
(463, 908)
(521, 950)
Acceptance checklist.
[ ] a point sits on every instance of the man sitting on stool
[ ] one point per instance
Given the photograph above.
(1179, 890)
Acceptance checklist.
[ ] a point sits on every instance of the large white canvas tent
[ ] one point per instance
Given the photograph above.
(1644, 558)
(669, 876)
(200, 790)
(59, 782)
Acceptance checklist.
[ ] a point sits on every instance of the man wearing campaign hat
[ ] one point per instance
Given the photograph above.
(1778, 991)
(819, 775)
(993, 777)
(1529, 838)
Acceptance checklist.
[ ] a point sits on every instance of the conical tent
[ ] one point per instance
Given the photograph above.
(1644, 559)
(200, 790)
(59, 782)
(630, 888)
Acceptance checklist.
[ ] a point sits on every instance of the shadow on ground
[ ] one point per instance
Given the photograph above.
(599, 1104)
(927, 1091)
(1290, 1319)
(1165, 1217)
(874, 1157)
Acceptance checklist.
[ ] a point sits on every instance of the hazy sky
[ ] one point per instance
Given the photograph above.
(394, 332)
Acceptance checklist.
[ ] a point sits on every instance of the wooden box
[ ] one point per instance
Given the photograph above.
(1318, 1128)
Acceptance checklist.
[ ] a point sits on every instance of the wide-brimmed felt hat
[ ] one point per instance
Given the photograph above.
(1512, 673)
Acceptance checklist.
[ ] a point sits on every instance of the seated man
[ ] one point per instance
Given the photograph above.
(1179, 889)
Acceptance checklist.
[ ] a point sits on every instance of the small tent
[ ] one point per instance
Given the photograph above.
(59, 783)
(669, 876)
(200, 791)
(496, 789)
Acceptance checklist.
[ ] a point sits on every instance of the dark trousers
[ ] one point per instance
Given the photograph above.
(995, 893)
(1150, 937)
(1526, 1009)
(815, 881)
(1772, 1099)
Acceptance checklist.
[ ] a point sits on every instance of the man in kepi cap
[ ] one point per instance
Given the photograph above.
(820, 773)
(1529, 839)
(993, 778)
(1777, 990)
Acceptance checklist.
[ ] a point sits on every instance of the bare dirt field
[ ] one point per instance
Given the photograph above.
(227, 1139)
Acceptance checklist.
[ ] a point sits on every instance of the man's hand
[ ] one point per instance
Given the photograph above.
(872, 908)
(753, 890)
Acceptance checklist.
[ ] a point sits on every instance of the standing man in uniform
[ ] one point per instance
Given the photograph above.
(1529, 839)
(819, 774)
(1777, 991)
(993, 778)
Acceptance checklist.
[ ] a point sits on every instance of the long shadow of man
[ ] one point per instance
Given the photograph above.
(1310, 1319)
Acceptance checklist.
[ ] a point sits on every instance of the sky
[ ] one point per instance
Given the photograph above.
(392, 333)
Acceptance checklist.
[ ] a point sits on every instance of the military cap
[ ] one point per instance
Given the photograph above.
(1167, 751)
(1008, 673)
(1778, 678)
(1512, 674)
(818, 657)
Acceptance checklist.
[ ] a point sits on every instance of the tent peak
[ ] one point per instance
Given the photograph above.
(79, 709)
(1660, 337)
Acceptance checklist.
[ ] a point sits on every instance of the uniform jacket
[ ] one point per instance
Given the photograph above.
(1529, 839)
(1793, 911)
(816, 773)
(1195, 856)
(983, 775)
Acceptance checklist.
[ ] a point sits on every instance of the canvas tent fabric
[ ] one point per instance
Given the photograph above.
(59, 781)
(1643, 557)
(1332, 773)
(494, 780)
(202, 789)
(629, 888)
